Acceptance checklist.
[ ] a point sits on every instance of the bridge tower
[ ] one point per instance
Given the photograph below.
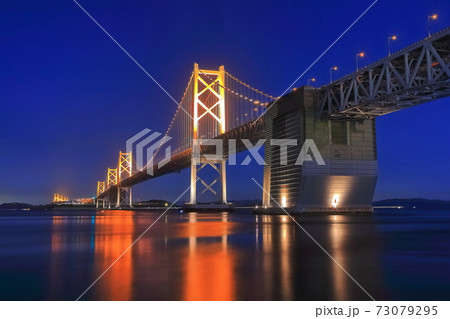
(100, 190)
(209, 119)
(124, 166)
(111, 180)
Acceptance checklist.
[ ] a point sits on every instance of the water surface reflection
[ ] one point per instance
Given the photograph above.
(217, 256)
(209, 257)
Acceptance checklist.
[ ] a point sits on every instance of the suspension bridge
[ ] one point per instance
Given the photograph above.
(339, 118)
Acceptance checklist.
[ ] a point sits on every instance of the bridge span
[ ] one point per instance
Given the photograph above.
(339, 118)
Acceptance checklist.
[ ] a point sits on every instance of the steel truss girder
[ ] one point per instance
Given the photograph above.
(414, 75)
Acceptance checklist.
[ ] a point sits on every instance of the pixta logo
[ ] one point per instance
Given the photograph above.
(149, 150)
(307, 153)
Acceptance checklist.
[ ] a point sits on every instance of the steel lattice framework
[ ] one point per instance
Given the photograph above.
(112, 177)
(414, 75)
(209, 99)
(125, 166)
(100, 187)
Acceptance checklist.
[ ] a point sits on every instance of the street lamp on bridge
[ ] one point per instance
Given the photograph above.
(431, 17)
(334, 68)
(311, 80)
(394, 37)
(358, 55)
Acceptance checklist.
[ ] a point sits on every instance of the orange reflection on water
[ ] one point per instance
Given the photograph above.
(338, 235)
(209, 265)
(58, 244)
(113, 237)
(277, 234)
(58, 238)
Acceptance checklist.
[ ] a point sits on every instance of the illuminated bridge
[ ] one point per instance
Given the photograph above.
(339, 118)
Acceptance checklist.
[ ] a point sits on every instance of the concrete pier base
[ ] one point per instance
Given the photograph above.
(316, 211)
(341, 180)
(208, 207)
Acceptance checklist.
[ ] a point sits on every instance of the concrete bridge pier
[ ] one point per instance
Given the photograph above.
(345, 184)
(109, 199)
(100, 203)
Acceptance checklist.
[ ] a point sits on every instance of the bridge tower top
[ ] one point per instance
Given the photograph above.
(100, 187)
(125, 165)
(209, 99)
(112, 177)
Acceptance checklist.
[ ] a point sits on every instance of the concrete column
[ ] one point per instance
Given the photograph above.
(118, 197)
(130, 196)
(224, 180)
(193, 182)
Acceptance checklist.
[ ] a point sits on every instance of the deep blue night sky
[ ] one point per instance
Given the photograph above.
(70, 97)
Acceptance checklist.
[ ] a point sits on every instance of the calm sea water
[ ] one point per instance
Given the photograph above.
(393, 254)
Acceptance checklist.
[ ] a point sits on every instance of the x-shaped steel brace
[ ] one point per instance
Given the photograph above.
(209, 186)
